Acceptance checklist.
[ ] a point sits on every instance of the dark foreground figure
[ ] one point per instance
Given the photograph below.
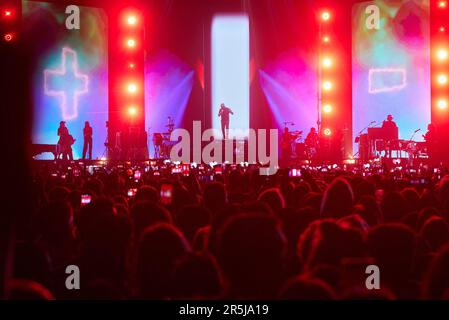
(242, 236)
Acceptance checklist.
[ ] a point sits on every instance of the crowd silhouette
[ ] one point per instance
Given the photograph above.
(242, 236)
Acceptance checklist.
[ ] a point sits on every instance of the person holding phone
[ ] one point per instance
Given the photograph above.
(167, 194)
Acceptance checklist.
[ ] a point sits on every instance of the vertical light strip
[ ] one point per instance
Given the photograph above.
(230, 71)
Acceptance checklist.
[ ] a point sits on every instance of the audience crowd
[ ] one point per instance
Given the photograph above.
(240, 236)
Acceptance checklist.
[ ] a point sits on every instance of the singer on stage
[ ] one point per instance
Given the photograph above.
(87, 132)
(63, 132)
(391, 134)
(224, 115)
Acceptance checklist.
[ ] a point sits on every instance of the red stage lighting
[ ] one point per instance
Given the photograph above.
(327, 62)
(442, 4)
(8, 37)
(442, 54)
(7, 13)
(327, 108)
(327, 85)
(327, 132)
(132, 111)
(132, 20)
(132, 88)
(325, 16)
(442, 79)
(131, 43)
(131, 65)
(442, 104)
(326, 39)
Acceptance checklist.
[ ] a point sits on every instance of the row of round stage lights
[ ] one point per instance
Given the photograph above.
(131, 44)
(326, 65)
(8, 17)
(442, 56)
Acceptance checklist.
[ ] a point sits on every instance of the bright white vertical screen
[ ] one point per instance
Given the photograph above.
(230, 71)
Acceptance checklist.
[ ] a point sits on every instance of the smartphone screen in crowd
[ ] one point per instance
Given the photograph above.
(295, 173)
(85, 199)
(166, 194)
(132, 192)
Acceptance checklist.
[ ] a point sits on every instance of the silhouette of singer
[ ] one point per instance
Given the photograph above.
(87, 147)
(224, 114)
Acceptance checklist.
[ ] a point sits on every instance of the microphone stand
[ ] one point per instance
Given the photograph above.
(361, 131)
(368, 126)
(411, 140)
(413, 135)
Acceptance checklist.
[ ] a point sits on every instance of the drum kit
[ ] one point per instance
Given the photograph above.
(298, 145)
(299, 148)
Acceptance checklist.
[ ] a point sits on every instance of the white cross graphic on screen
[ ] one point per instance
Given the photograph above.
(66, 83)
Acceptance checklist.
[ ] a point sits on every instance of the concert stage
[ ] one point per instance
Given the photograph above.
(249, 150)
(135, 90)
